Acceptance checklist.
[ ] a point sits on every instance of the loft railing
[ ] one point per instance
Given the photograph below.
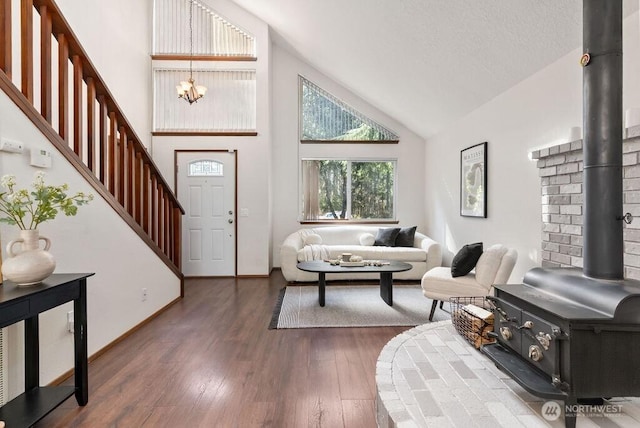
(74, 109)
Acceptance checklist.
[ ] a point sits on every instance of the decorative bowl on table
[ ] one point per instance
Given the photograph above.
(354, 261)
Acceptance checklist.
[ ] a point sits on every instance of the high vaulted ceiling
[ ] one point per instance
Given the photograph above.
(426, 63)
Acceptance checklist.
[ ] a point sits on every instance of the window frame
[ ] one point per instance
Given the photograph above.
(206, 73)
(355, 112)
(348, 219)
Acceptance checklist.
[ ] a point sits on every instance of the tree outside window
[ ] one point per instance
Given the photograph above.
(348, 190)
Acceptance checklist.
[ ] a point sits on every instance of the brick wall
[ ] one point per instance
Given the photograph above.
(560, 170)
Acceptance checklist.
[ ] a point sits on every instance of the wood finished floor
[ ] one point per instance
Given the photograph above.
(210, 361)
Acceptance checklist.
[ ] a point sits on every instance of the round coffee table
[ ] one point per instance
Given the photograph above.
(386, 271)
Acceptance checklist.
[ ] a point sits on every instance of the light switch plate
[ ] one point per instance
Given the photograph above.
(11, 146)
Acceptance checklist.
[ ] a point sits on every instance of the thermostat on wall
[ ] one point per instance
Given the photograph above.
(41, 158)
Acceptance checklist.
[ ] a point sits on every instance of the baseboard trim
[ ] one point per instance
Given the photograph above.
(227, 277)
(66, 375)
(210, 277)
(252, 276)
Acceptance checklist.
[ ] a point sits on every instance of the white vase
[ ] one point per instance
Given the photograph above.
(31, 264)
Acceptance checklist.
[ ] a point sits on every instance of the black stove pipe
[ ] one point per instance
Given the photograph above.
(602, 146)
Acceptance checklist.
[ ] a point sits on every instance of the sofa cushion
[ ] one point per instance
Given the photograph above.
(312, 239)
(387, 237)
(367, 239)
(406, 236)
(489, 263)
(344, 235)
(465, 260)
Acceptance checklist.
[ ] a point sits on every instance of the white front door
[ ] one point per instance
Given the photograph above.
(206, 190)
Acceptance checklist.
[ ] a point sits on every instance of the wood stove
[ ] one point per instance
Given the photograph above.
(571, 334)
(564, 336)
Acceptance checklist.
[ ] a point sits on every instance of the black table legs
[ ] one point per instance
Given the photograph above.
(81, 370)
(26, 304)
(386, 287)
(321, 285)
(31, 354)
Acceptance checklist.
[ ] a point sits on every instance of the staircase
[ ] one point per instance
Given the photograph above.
(84, 122)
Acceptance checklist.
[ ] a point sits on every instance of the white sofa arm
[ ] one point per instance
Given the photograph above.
(289, 256)
(433, 249)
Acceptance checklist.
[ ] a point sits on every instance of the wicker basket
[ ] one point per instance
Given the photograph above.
(470, 319)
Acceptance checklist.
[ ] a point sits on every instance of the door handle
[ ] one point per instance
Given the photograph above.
(230, 220)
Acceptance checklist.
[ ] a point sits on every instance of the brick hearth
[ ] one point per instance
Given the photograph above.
(429, 376)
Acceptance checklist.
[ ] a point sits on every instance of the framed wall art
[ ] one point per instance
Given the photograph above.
(473, 181)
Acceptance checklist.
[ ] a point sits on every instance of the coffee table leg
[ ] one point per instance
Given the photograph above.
(321, 285)
(386, 287)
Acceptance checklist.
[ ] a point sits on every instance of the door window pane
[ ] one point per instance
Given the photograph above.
(205, 168)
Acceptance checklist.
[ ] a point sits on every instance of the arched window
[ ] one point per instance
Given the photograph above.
(205, 168)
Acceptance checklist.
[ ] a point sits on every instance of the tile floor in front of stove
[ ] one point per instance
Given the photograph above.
(429, 376)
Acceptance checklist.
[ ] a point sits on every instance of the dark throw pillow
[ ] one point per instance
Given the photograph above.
(405, 237)
(466, 259)
(387, 237)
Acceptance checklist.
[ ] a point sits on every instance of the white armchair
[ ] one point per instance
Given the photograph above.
(494, 267)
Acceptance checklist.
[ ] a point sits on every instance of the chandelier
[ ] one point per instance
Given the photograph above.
(188, 90)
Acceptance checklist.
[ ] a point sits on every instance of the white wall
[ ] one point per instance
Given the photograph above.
(253, 153)
(96, 240)
(116, 35)
(287, 150)
(537, 112)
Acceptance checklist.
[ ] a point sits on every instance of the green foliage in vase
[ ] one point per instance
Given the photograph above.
(28, 208)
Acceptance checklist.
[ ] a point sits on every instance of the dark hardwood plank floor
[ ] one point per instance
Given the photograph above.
(210, 361)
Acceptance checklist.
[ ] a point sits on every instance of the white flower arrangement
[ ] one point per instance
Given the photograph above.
(27, 209)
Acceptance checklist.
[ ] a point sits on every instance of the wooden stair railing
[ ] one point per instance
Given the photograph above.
(96, 137)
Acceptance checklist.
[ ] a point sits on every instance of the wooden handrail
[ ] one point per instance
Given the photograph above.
(93, 133)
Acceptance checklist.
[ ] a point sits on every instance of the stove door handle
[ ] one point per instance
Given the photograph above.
(527, 324)
(493, 300)
(500, 310)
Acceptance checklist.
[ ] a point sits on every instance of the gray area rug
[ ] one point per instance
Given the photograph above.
(353, 306)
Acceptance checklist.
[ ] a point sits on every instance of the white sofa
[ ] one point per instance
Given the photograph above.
(424, 255)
